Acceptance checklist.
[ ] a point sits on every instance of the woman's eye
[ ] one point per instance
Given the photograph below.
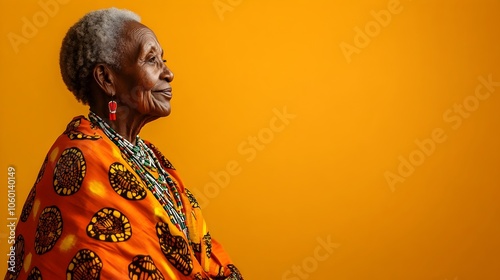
(152, 59)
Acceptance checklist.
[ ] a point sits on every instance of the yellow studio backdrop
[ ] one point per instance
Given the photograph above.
(324, 139)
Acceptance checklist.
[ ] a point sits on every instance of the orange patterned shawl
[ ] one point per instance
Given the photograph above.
(90, 216)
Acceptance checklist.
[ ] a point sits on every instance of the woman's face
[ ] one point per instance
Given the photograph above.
(143, 81)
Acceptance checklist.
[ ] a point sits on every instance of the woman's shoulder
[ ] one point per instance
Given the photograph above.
(82, 141)
(166, 164)
(80, 128)
(161, 157)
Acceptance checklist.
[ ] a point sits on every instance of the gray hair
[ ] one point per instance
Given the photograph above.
(94, 39)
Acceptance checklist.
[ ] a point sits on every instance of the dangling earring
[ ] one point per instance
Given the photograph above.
(112, 105)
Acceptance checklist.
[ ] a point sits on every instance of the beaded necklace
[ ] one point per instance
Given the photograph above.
(142, 159)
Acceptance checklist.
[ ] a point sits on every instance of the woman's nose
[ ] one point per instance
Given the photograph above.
(167, 74)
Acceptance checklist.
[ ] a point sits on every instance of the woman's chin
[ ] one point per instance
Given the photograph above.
(164, 111)
(161, 109)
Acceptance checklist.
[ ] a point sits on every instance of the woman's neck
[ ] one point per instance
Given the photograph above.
(128, 124)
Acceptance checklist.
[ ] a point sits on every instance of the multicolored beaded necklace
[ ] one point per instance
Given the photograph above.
(141, 158)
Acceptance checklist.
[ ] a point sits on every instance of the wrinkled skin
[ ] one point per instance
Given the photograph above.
(141, 86)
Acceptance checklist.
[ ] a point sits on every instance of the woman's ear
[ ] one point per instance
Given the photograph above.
(104, 77)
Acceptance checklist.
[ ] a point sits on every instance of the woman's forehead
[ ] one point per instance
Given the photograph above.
(141, 39)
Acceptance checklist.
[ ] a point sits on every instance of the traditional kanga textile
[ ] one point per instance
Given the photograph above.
(97, 211)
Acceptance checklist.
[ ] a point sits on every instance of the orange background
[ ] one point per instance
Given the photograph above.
(322, 174)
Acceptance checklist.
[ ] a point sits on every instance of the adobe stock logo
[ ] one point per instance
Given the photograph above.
(223, 6)
(363, 37)
(310, 264)
(31, 25)
(249, 149)
(454, 117)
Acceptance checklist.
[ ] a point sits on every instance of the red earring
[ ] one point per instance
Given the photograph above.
(112, 105)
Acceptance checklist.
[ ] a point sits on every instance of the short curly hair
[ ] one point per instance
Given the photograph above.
(95, 38)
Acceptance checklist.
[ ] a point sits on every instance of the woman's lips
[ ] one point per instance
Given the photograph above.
(167, 92)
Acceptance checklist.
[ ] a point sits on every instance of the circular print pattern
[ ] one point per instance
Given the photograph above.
(163, 160)
(69, 172)
(85, 265)
(143, 267)
(196, 247)
(124, 182)
(234, 270)
(175, 249)
(19, 255)
(28, 205)
(192, 199)
(207, 239)
(73, 133)
(109, 225)
(48, 230)
(35, 274)
(198, 276)
(42, 170)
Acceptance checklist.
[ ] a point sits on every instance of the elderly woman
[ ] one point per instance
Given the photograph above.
(107, 204)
